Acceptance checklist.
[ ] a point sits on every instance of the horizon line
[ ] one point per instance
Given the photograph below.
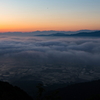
(46, 31)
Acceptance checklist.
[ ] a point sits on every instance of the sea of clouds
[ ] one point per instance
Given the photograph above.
(49, 59)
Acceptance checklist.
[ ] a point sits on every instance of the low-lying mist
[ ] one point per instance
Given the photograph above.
(49, 59)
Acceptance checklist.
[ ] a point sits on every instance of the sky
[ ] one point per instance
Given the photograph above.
(60, 15)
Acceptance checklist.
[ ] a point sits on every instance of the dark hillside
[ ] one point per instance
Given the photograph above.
(9, 92)
(81, 91)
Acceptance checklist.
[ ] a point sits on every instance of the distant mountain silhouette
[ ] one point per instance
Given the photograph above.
(95, 34)
(46, 33)
(88, 34)
(9, 92)
(80, 91)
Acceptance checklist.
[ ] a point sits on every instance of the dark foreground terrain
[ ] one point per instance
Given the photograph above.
(79, 91)
(9, 92)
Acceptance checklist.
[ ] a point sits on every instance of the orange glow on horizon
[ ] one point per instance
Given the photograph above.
(32, 29)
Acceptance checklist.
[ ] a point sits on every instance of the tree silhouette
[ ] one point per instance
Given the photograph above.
(51, 96)
(40, 91)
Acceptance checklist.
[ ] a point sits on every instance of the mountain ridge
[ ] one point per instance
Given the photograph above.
(89, 34)
(81, 91)
(10, 92)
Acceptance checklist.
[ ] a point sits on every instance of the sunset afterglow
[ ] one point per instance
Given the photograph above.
(61, 15)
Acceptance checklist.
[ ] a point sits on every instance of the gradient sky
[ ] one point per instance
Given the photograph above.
(63, 15)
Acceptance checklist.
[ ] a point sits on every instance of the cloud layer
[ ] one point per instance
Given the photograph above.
(49, 59)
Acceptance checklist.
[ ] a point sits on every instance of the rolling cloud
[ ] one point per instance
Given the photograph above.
(33, 57)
